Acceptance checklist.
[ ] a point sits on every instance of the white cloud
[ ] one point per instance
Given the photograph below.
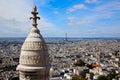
(43, 2)
(111, 6)
(108, 10)
(46, 26)
(56, 12)
(105, 11)
(91, 1)
(71, 19)
(79, 23)
(77, 7)
(11, 28)
(75, 22)
(100, 21)
(14, 18)
(15, 10)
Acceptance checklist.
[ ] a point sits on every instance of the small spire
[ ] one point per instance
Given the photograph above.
(35, 17)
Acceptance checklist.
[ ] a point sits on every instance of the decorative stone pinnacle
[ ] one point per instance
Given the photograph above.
(35, 17)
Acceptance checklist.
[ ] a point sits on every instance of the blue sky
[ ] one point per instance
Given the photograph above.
(78, 18)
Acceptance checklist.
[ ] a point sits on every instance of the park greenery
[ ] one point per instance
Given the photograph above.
(80, 63)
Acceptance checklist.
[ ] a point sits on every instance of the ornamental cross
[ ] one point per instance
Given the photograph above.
(35, 17)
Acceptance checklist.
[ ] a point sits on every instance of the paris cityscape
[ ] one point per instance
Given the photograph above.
(59, 40)
(100, 57)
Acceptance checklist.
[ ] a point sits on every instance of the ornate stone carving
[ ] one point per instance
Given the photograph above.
(33, 46)
(34, 59)
(32, 76)
(28, 77)
(31, 59)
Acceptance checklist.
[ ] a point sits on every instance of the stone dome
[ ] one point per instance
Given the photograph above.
(34, 53)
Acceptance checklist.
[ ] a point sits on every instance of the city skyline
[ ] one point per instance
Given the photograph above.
(79, 18)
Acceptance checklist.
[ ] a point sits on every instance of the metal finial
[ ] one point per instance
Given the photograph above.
(35, 17)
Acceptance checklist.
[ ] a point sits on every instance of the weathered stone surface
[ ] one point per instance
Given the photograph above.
(34, 59)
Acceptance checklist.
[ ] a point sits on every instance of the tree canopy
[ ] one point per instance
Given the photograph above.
(80, 63)
(102, 77)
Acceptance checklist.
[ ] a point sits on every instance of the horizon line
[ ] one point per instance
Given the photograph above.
(64, 37)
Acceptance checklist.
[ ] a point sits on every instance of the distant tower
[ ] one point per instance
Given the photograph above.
(34, 60)
(66, 36)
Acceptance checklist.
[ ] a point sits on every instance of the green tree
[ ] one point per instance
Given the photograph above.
(80, 63)
(112, 75)
(102, 77)
(89, 66)
(75, 78)
(83, 79)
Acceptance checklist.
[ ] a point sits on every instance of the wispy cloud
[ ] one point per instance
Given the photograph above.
(77, 7)
(109, 10)
(14, 18)
(91, 1)
(15, 10)
(56, 12)
(111, 6)
(86, 18)
(105, 11)
(43, 2)
(100, 20)
(12, 28)
(75, 22)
